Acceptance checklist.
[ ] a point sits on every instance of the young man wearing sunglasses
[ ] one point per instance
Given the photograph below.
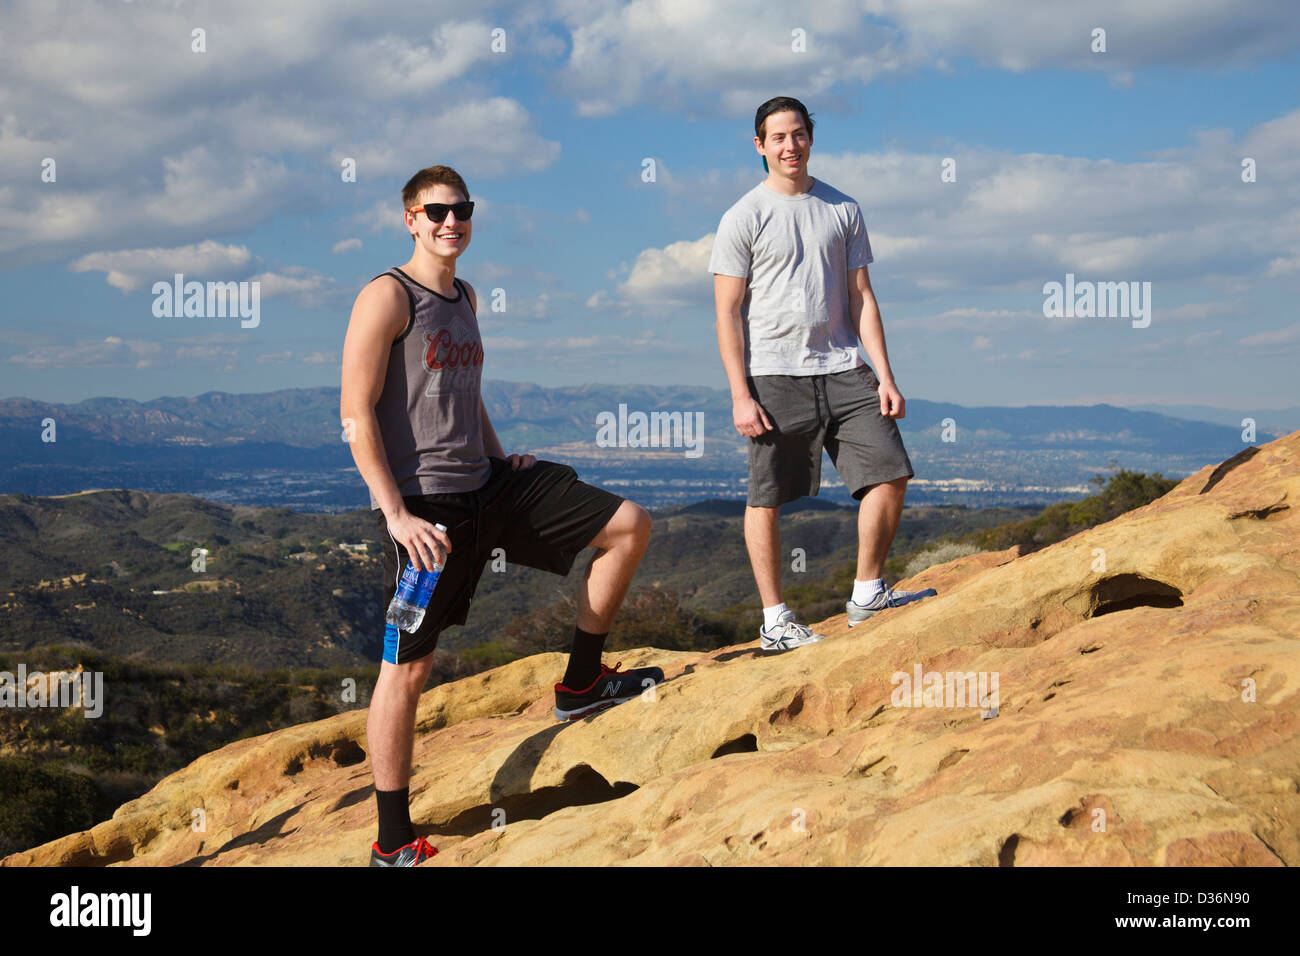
(793, 299)
(423, 442)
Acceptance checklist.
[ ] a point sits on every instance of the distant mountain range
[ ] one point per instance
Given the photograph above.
(1277, 421)
(286, 447)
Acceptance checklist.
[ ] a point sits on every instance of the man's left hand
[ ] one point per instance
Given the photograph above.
(521, 461)
(891, 401)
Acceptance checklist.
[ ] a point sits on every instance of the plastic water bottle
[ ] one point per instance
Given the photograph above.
(412, 598)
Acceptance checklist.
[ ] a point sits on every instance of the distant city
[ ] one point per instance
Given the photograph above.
(287, 449)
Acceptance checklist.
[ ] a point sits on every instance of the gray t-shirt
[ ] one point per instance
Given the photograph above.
(796, 252)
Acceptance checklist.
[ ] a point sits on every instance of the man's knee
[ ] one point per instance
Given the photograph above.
(411, 675)
(896, 485)
(640, 522)
(630, 521)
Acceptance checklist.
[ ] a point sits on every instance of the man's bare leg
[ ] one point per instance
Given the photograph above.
(878, 516)
(586, 685)
(390, 722)
(620, 546)
(780, 631)
(390, 740)
(763, 540)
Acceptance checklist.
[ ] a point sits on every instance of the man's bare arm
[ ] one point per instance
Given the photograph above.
(491, 443)
(865, 315)
(728, 294)
(378, 317)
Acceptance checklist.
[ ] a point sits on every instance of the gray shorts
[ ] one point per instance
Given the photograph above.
(839, 412)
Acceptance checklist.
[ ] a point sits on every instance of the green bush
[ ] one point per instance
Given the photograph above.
(1121, 493)
(488, 655)
(39, 804)
(939, 553)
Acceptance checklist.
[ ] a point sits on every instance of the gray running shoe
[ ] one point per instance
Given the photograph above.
(885, 598)
(413, 854)
(786, 633)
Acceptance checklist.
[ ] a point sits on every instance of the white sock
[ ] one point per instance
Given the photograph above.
(770, 614)
(864, 591)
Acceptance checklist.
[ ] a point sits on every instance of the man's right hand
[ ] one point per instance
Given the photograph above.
(749, 418)
(425, 544)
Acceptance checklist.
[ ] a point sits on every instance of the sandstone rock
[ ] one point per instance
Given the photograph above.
(1148, 683)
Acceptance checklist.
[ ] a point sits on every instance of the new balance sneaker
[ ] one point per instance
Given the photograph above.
(613, 686)
(887, 597)
(413, 854)
(786, 633)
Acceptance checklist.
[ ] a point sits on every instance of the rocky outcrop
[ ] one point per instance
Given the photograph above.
(1140, 705)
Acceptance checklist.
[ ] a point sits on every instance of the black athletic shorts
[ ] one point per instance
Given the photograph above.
(541, 516)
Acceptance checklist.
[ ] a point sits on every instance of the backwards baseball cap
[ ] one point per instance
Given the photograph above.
(780, 104)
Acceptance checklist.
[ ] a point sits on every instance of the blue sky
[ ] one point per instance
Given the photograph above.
(225, 165)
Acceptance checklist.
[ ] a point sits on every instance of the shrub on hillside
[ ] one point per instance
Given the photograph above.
(39, 804)
(940, 553)
(1122, 492)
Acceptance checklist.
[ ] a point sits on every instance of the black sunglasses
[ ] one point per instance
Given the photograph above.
(437, 211)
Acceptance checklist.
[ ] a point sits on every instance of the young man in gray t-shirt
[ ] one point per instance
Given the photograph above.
(793, 299)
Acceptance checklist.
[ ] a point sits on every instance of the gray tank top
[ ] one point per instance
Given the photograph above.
(429, 416)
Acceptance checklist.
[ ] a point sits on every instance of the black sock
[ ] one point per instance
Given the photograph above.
(584, 659)
(395, 830)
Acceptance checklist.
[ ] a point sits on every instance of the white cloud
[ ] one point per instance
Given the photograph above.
(115, 352)
(678, 273)
(288, 356)
(304, 286)
(213, 143)
(128, 269)
(578, 353)
(1014, 221)
(975, 320)
(1282, 266)
(1264, 341)
(1028, 34)
(704, 55)
(382, 216)
(413, 61)
(494, 136)
(1201, 342)
(1197, 311)
(200, 191)
(699, 54)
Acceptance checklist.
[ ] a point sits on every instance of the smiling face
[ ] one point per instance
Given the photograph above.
(446, 239)
(787, 145)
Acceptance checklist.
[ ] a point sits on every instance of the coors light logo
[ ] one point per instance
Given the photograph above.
(454, 357)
